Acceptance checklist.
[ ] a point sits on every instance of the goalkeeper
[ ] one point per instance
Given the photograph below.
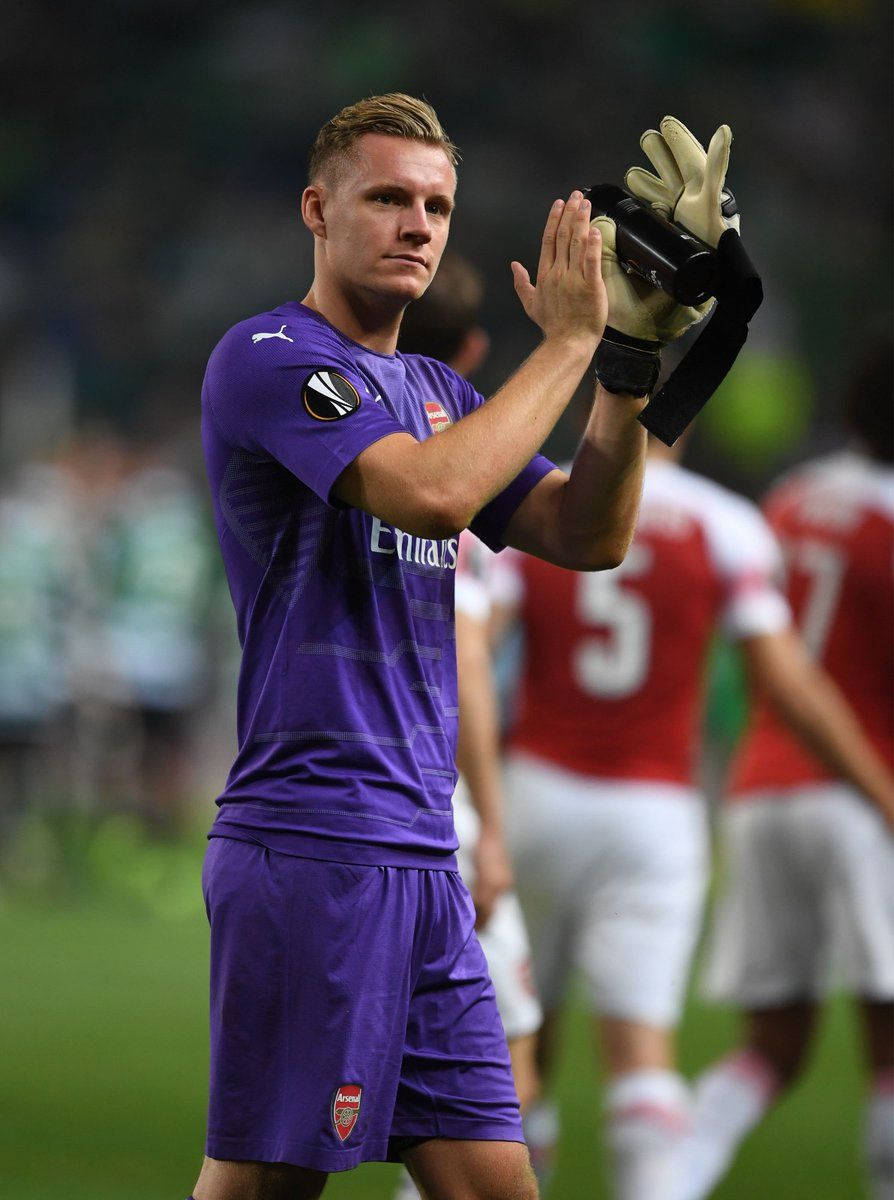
(352, 1015)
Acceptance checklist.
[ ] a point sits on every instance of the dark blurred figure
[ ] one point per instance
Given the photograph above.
(810, 879)
(445, 322)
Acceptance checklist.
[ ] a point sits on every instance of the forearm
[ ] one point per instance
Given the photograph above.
(587, 522)
(473, 460)
(601, 499)
(814, 708)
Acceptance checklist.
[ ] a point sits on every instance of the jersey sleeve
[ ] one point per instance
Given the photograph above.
(749, 560)
(301, 402)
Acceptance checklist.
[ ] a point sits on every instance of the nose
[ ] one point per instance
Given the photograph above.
(416, 225)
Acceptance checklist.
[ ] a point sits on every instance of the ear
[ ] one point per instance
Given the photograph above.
(312, 210)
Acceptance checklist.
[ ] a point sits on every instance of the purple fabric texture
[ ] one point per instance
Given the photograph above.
(351, 1012)
(347, 708)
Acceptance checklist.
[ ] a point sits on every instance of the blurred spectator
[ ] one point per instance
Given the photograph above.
(37, 585)
(154, 572)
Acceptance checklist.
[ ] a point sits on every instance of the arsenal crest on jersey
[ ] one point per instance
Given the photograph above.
(346, 1109)
(437, 417)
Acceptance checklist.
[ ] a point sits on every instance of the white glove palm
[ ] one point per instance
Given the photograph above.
(635, 307)
(688, 188)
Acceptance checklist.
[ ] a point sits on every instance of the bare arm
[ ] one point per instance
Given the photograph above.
(812, 705)
(586, 520)
(477, 756)
(436, 487)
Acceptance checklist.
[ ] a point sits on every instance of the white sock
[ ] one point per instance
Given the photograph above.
(879, 1136)
(648, 1116)
(728, 1101)
(541, 1123)
(406, 1188)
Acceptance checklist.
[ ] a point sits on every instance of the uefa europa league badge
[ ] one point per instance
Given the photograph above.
(346, 1109)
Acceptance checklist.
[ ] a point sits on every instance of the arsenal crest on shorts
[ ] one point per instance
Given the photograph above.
(346, 1109)
(437, 417)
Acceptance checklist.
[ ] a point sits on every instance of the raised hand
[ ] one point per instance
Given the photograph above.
(569, 298)
(636, 308)
(689, 186)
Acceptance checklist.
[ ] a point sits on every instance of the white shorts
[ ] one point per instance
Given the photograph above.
(611, 876)
(808, 901)
(503, 939)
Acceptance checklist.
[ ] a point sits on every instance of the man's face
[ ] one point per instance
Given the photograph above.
(387, 215)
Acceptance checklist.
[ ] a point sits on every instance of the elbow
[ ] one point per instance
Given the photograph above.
(437, 516)
(600, 554)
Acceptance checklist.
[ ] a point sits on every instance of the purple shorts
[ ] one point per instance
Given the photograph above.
(352, 1014)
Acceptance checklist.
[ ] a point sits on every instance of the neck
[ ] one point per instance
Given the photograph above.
(365, 322)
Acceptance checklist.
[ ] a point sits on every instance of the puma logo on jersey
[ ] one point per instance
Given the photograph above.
(259, 337)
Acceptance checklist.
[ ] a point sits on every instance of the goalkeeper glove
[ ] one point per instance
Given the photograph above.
(689, 190)
(689, 187)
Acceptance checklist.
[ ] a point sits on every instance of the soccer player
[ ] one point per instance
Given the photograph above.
(810, 865)
(604, 819)
(352, 1017)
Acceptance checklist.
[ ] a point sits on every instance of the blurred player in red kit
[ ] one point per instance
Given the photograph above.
(608, 830)
(811, 864)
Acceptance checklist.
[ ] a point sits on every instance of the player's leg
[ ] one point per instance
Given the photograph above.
(635, 949)
(878, 1032)
(257, 1181)
(551, 852)
(647, 1107)
(732, 1096)
(861, 894)
(766, 953)
(541, 1117)
(472, 1170)
(522, 1052)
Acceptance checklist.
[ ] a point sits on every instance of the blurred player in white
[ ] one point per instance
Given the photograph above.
(810, 863)
(608, 831)
(444, 324)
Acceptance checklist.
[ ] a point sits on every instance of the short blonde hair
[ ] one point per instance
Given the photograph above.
(395, 114)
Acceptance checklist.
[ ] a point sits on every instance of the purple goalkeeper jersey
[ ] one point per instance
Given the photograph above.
(347, 704)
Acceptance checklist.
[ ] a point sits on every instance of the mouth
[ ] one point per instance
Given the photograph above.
(412, 258)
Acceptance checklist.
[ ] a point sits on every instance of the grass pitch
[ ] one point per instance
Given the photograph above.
(103, 1062)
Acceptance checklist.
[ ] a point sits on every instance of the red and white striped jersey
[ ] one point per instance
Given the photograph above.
(614, 665)
(835, 521)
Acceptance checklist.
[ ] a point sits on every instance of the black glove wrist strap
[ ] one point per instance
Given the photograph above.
(625, 365)
(709, 359)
